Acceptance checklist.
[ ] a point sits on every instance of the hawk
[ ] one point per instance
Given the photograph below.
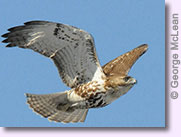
(73, 52)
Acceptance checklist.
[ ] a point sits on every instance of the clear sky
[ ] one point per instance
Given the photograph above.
(117, 26)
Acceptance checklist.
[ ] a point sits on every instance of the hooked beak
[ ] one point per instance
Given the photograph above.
(133, 81)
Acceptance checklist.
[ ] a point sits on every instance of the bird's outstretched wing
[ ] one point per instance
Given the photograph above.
(71, 49)
(122, 64)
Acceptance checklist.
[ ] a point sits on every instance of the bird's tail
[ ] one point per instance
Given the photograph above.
(56, 107)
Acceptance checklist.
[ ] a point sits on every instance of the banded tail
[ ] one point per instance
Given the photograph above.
(56, 107)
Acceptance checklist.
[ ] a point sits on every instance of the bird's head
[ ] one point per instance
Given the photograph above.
(115, 81)
(129, 80)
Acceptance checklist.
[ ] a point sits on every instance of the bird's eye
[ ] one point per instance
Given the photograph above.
(126, 78)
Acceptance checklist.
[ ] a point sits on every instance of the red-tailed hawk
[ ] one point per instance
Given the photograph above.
(74, 54)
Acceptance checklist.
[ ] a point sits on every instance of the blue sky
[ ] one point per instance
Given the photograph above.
(117, 26)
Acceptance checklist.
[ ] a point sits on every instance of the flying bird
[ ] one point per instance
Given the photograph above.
(73, 52)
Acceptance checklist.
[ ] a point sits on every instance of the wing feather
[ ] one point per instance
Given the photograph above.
(122, 64)
(71, 49)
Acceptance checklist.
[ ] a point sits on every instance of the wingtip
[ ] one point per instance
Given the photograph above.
(31, 22)
(144, 47)
(11, 29)
(9, 45)
(5, 35)
(36, 22)
(5, 41)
